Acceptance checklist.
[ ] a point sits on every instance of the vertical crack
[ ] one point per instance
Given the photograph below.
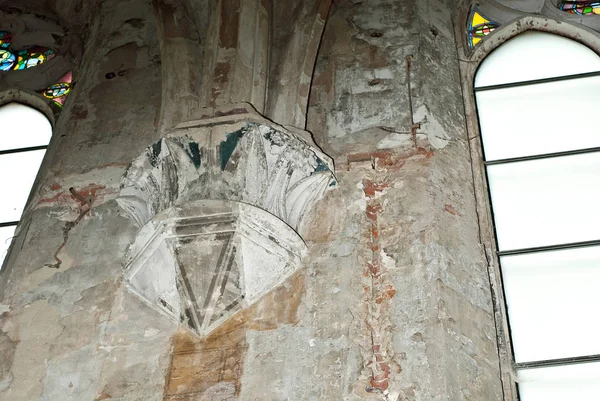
(85, 206)
(413, 126)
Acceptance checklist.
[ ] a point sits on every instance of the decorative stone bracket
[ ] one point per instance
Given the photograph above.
(201, 262)
(220, 201)
(246, 161)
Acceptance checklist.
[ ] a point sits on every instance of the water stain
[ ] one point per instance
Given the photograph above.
(200, 365)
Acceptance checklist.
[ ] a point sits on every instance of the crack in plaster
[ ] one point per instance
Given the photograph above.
(86, 206)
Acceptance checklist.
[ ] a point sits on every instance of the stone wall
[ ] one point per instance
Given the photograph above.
(392, 299)
(69, 330)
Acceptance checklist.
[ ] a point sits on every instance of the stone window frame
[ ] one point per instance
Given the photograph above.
(36, 102)
(469, 61)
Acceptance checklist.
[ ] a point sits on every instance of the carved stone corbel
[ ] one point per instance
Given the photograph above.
(219, 202)
(201, 262)
(240, 157)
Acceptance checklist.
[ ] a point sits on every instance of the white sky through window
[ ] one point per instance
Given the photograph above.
(543, 171)
(22, 127)
(536, 55)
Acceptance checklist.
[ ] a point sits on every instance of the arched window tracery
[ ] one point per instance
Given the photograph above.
(543, 173)
(478, 27)
(26, 131)
(14, 60)
(580, 7)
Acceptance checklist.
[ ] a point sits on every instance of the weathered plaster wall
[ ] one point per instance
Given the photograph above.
(297, 28)
(68, 330)
(393, 299)
(426, 312)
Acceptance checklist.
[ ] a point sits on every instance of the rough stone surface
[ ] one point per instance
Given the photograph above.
(344, 122)
(258, 164)
(204, 261)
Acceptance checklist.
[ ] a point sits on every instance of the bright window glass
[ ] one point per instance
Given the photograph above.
(545, 207)
(23, 127)
(553, 303)
(546, 202)
(536, 55)
(27, 165)
(24, 136)
(579, 382)
(538, 119)
(6, 235)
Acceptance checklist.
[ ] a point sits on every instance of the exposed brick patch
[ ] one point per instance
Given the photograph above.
(389, 160)
(61, 196)
(379, 294)
(450, 209)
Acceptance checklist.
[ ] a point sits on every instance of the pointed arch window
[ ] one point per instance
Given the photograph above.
(478, 27)
(24, 138)
(21, 59)
(536, 97)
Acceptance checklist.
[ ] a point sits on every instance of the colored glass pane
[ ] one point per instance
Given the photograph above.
(5, 39)
(580, 7)
(21, 59)
(59, 91)
(32, 57)
(67, 78)
(479, 27)
(7, 60)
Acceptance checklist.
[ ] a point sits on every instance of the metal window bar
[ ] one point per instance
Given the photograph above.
(542, 156)
(20, 150)
(556, 247)
(9, 223)
(537, 81)
(552, 362)
(557, 362)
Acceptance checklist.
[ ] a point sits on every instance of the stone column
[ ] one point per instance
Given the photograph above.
(297, 32)
(237, 54)
(68, 328)
(387, 100)
(182, 54)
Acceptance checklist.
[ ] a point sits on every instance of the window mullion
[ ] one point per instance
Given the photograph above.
(9, 223)
(21, 150)
(542, 156)
(555, 247)
(538, 81)
(558, 362)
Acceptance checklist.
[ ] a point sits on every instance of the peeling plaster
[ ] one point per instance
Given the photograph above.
(435, 132)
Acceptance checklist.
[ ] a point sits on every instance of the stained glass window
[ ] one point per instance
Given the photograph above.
(580, 7)
(478, 27)
(7, 60)
(31, 57)
(21, 59)
(5, 39)
(59, 91)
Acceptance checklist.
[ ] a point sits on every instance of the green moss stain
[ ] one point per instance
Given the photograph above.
(228, 146)
(321, 167)
(193, 151)
(155, 153)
